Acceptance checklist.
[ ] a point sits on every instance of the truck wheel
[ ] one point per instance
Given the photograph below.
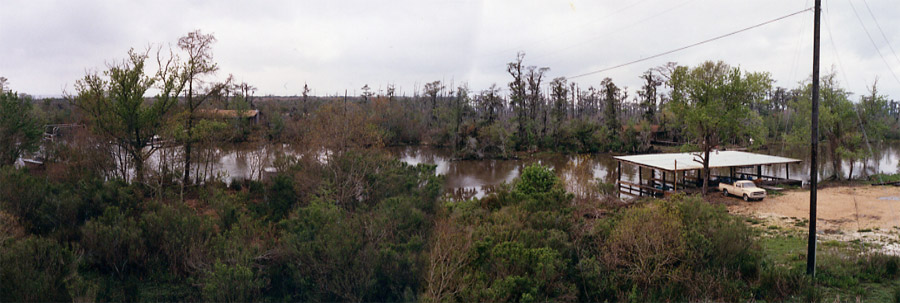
(746, 198)
(724, 193)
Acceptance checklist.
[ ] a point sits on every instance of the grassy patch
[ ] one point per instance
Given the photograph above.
(880, 178)
(774, 193)
(753, 221)
(845, 271)
(784, 249)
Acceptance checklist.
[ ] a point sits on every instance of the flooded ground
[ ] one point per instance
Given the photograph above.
(581, 173)
(475, 178)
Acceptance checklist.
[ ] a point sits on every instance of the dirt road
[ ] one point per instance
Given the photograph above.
(846, 209)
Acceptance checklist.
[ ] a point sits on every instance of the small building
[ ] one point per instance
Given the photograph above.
(681, 171)
(251, 115)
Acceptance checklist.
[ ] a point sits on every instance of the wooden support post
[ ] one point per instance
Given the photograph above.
(619, 178)
(787, 171)
(640, 181)
(652, 178)
(683, 184)
(758, 172)
(675, 177)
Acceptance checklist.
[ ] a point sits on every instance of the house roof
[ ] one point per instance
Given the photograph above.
(690, 161)
(229, 113)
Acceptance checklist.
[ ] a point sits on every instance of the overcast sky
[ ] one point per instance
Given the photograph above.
(277, 46)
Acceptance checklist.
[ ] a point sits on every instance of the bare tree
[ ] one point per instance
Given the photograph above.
(517, 94)
(432, 90)
(367, 93)
(447, 261)
(198, 47)
(559, 91)
(305, 99)
(535, 98)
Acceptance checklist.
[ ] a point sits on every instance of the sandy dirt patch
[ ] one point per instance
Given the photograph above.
(845, 209)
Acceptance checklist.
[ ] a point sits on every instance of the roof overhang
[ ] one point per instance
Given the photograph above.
(691, 161)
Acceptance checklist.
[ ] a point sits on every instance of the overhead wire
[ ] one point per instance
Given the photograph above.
(834, 46)
(886, 41)
(854, 108)
(801, 37)
(641, 21)
(873, 41)
(556, 37)
(560, 36)
(691, 45)
(794, 65)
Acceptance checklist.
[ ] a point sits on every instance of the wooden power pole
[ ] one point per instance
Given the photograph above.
(814, 147)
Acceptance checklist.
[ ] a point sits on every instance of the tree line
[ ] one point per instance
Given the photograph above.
(342, 220)
(702, 108)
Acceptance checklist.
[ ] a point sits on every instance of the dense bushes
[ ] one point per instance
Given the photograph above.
(365, 227)
(57, 209)
(34, 269)
(362, 237)
(682, 248)
(518, 247)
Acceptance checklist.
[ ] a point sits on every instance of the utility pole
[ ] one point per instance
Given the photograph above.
(814, 148)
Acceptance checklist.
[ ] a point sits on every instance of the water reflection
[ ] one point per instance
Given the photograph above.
(580, 173)
(475, 178)
(226, 163)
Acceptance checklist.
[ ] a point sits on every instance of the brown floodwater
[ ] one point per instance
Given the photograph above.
(581, 172)
(474, 178)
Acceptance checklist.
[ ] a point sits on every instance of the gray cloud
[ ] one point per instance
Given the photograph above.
(335, 45)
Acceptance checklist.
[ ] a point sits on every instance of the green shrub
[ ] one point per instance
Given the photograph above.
(113, 242)
(235, 185)
(50, 208)
(521, 248)
(780, 283)
(877, 267)
(647, 247)
(895, 294)
(716, 238)
(176, 238)
(681, 248)
(34, 270)
(235, 283)
(281, 197)
(535, 179)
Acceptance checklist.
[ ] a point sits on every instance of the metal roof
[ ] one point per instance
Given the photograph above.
(689, 161)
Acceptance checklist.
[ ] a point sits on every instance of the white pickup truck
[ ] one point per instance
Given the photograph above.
(742, 188)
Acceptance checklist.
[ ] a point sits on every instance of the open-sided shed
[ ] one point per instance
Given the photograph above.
(673, 163)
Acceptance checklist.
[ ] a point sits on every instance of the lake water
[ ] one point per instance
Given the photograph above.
(475, 178)
(580, 173)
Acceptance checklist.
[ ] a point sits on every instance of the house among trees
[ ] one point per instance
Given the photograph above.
(251, 115)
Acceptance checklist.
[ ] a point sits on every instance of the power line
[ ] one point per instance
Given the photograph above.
(834, 46)
(559, 36)
(553, 54)
(689, 46)
(801, 37)
(880, 30)
(873, 41)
